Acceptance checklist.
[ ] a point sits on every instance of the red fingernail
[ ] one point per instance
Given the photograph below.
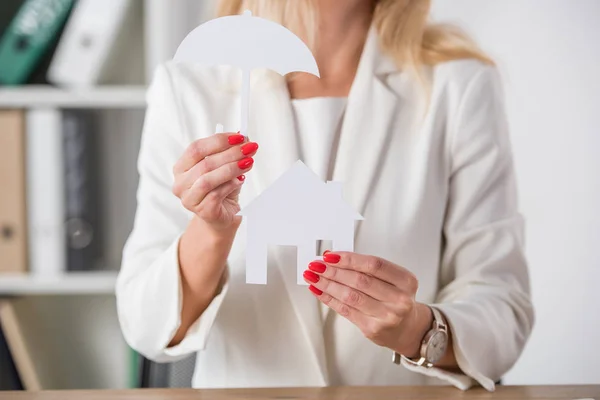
(311, 276)
(315, 290)
(235, 139)
(331, 258)
(317, 267)
(249, 148)
(326, 251)
(245, 163)
(242, 178)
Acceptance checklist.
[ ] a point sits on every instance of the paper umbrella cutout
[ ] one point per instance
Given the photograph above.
(247, 42)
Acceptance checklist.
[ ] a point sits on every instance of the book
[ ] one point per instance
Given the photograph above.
(29, 36)
(101, 44)
(45, 192)
(39, 75)
(9, 377)
(18, 348)
(81, 190)
(13, 226)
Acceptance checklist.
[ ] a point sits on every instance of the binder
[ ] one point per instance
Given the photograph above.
(18, 348)
(29, 36)
(93, 42)
(8, 10)
(9, 376)
(13, 226)
(81, 187)
(45, 192)
(39, 74)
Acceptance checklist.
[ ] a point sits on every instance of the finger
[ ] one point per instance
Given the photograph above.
(220, 193)
(202, 148)
(213, 179)
(353, 315)
(213, 200)
(371, 265)
(347, 295)
(370, 285)
(217, 160)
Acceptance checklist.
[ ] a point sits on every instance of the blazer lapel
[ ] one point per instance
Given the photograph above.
(272, 126)
(366, 128)
(367, 125)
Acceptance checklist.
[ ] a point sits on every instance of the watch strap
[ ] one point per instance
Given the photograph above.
(438, 321)
(438, 324)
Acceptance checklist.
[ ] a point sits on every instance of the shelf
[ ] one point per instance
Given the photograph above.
(97, 97)
(72, 283)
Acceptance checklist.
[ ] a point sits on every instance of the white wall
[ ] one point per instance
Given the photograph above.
(549, 53)
(167, 23)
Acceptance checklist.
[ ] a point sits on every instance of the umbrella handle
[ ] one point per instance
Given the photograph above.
(245, 101)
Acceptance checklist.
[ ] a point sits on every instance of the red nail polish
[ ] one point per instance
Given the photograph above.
(315, 290)
(245, 163)
(235, 139)
(317, 267)
(331, 258)
(311, 276)
(326, 251)
(241, 178)
(249, 148)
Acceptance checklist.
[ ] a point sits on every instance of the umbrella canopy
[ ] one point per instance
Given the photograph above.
(247, 42)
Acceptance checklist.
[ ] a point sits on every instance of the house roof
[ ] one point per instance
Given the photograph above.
(301, 189)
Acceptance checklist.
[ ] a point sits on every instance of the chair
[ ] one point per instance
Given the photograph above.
(167, 375)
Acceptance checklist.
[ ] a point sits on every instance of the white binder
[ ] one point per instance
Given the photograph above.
(45, 192)
(92, 36)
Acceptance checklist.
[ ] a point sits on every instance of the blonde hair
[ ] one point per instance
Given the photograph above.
(402, 25)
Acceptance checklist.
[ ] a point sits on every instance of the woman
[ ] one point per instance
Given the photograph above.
(410, 118)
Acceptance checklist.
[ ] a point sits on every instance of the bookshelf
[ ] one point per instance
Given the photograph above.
(100, 97)
(70, 319)
(72, 283)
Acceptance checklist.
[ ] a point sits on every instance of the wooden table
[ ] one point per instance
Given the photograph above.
(331, 393)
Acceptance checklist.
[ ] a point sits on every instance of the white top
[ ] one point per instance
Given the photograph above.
(318, 123)
(436, 188)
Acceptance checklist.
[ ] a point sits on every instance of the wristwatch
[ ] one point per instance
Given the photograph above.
(433, 346)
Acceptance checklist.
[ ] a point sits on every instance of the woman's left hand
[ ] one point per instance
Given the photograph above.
(375, 295)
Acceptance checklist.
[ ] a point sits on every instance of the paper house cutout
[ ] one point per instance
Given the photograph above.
(299, 209)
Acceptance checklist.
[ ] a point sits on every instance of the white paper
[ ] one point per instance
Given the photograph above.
(297, 210)
(246, 42)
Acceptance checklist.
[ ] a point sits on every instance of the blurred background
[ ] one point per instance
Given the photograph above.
(73, 75)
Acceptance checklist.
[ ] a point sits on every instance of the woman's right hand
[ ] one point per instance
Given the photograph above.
(209, 175)
(208, 178)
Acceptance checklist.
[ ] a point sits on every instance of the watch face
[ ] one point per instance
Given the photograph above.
(436, 348)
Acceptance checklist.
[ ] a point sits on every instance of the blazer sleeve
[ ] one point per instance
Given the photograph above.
(148, 287)
(485, 294)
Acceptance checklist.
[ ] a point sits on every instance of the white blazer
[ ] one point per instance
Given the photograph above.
(435, 185)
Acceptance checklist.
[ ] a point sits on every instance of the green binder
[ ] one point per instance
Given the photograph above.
(8, 10)
(29, 36)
